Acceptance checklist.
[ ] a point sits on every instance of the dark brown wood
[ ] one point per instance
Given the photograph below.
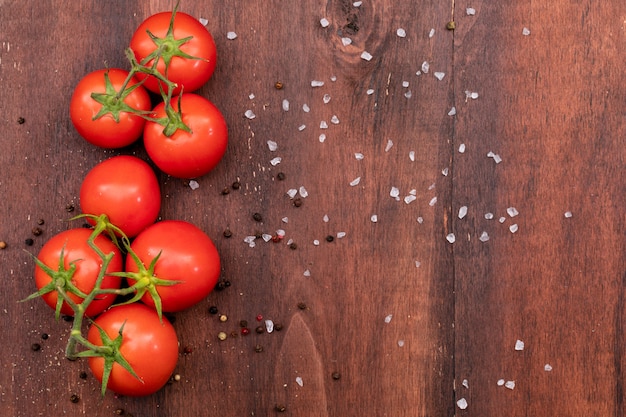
(409, 322)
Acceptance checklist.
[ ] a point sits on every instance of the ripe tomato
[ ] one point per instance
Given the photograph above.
(124, 188)
(187, 255)
(199, 55)
(148, 345)
(184, 154)
(118, 127)
(72, 246)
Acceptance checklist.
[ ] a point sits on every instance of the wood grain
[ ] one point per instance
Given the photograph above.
(409, 322)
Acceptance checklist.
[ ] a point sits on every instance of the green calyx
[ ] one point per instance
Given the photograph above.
(61, 282)
(112, 101)
(110, 353)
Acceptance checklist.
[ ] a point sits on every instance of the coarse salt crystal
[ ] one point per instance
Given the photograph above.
(286, 105)
(462, 148)
(325, 219)
(462, 403)
(418, 264)
(509, 384)
(432, 201)
(306, 108)
(420, 220)
(409, 199)
(322, 138)
(431, 33)
(401, 33)
(251, 96)
(400, 343)
(451, 238)
(425, 67)
(500, 382)
(413, 191)
(568, 214)
(333, 78)
(525, 31)
(285, 219)
(250, 240)
(408, 94)
(519, 345)
(273, 146)
(292, 192)
(370, 91)
(405, 84)
(359, 156)
(488, 216)
(276, 161)
(389, 145)
(280, 232)
(547, 367)
(269, 326)
(374, 218)
(231, 35)
(301, 127)
(266, 237)
(465, 383)
(513, 228)
(326, 98)
(357, 3)
(324, 22)
(193, 184)
(203, 21)
(355, 181)
(439, 75)
(366, 56)
(388, 318)
(452, 111)
(394, 193)
(445, 172)
(316, 242)
(299, 381)
(341, 235)
(484, 237)
(512, 211)
(470, 11)
(471, 94)
(462, 212)
(334, 120)
(323, 124)
(317, 83)
(412, 156)
(346, 41)
(303, 192)
(250, 114)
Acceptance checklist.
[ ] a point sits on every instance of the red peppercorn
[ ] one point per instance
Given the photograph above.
(259, 317)
(245, 331)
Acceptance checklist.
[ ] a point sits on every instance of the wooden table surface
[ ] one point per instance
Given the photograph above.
(516, 115)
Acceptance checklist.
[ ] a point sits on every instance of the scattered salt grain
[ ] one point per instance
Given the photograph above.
(250, 114)
(400, 343)
(513, 228)
(519, 345)
(462, 403)
(251, 96)
(203, 21)
(408, 94)
(286, 105)
(547, 367)
(409, 199)
(266, 237)
(317, 83)
(471, 94)
(509, 384)
(412, 156)
(333, 78)
(250, 241)
(322, 138)
(326, 98)
(395, 193)
(445, 172)
(280, 232)
(306, 108)
(374, 218)
(231, 35)
(431, 33)
(496, 158)
(405, 84)
(502, 219)
(193, 184)
(285, 219)
(324, 22)
(272, 145)
(500, 382)
(401, 33)
(325, 219)
(525, 31)
(366, 56)
(276, 161)
(451, 238)
(303, 192)
(420, 220)
(346, 41)
(269, 326)
(462, 212)
(370, 92)
(418, 264)
(301, 128)
(299, 381)
(323, 124)
(292, 192)
(488, 216)
(389, 145)
(465, 383)
(470, 11)
(512, 211)
(357, 3)
(355, 181)
(359, 156)
(452, 111)
(462, 148)
(316, 242)
(484, 237)
(568, 214)
(425, 67)
(439, 75)
(334, 120)
(432, 201)
(341, 235)
(388, 318)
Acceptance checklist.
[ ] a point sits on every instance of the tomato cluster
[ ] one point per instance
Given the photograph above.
(128, 268)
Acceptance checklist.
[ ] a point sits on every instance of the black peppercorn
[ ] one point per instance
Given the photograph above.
(280, 408)
(336, 375)
(228, 233)
(37, 231)
(35, 347)
(257, 217)
(213, 310)
(280, 176)
(21, 120)
(258, 348)
(236, 185)
(74, 398)
(297, 202)
(302, 306)
(29, 242)
(329, 238)
(44, 336)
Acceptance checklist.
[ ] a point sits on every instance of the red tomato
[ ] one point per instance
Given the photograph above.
(188, 73)
(184, 154)
(117, 128)
(124, 188)
(187, 255)
(148, 345)
(76, 251)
